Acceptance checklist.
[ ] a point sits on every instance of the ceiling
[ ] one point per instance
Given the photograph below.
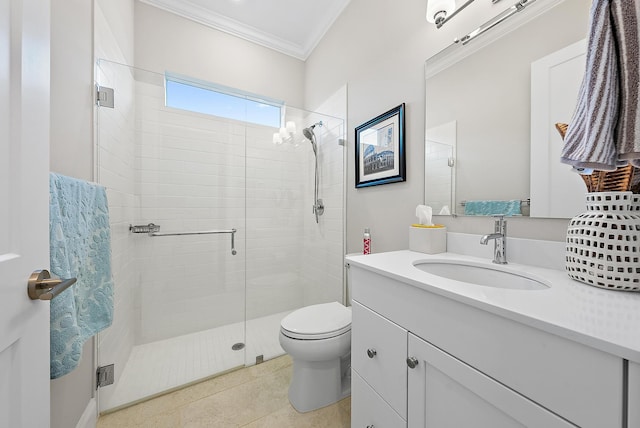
(293, 27)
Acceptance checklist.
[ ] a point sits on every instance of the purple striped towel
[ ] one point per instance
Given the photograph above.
(604, 132)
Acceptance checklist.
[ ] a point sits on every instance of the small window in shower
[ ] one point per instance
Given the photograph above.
(216, 100)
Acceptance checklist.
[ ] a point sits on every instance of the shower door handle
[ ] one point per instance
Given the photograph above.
(42, 287)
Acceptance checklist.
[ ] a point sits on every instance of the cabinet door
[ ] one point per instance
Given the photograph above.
(378, 354)
(368, 409)
(444, 392)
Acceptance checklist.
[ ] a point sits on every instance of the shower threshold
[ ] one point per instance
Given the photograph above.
(159, 367)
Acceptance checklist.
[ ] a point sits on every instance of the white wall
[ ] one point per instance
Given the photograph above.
(72, 88)
(119, 14)
(71, 153)
(323, 243)
(166, 42)
(378, 47)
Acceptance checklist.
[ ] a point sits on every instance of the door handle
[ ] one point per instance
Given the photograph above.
(42, 287)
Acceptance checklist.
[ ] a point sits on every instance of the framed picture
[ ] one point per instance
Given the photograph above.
(380, 153)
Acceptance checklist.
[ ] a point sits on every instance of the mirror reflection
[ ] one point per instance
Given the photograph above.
(491, 110)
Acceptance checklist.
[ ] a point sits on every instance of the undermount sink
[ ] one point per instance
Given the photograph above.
(481, 274)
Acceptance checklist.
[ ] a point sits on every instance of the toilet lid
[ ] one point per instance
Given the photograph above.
(317, 321)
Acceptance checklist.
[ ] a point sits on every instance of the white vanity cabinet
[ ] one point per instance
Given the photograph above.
(445, 392)
(473, 368)
(379, 380)
(634, 396)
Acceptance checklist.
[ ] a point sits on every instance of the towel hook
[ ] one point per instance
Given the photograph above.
(42, 287)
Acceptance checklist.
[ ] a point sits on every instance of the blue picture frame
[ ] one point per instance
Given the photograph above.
(380, 149)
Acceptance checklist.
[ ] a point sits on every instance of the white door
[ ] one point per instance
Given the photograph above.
(24, 207)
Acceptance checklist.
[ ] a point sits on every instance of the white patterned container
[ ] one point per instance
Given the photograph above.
(635, 204)
(603, 244)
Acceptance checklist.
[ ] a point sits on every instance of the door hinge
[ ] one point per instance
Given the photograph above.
(104, 376)
(104, 96)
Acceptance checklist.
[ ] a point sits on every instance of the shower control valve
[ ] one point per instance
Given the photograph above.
(318, 208)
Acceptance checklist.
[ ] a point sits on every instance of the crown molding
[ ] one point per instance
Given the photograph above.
(204, 16)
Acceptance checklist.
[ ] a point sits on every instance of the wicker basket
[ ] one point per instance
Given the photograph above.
(603, 244)
(623, 179)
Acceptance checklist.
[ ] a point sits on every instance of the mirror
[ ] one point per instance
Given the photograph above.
(491, 109)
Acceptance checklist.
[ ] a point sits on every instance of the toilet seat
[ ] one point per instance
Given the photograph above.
(317, 322)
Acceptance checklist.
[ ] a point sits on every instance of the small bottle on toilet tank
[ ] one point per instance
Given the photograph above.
(366, 242)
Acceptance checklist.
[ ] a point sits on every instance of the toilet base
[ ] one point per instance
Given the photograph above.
(330, 382)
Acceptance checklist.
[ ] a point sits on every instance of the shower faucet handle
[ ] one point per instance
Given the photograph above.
(318, 207)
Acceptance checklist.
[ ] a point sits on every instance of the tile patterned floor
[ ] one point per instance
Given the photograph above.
(252, 397)
(186, 359)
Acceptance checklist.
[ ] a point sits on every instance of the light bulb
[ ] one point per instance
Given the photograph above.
(434, 7)
(291, 127)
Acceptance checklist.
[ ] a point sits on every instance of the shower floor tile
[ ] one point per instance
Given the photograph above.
(157, 367)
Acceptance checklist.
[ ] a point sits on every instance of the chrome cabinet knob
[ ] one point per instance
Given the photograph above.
(370, 426)
(371, 353)
(412, 362)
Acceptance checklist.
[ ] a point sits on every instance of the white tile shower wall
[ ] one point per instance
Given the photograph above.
(439, 180)
(115, 152)
(323, 267)
(192, 174)
(274, 223)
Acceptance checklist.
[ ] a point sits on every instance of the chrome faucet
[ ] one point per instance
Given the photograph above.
(500, 238)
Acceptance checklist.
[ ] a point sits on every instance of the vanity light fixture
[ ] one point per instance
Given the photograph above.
(441, 11)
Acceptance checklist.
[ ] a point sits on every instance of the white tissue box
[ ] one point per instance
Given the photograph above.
(429, 240)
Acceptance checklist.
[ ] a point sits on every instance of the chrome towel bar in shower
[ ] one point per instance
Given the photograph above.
(154, 230)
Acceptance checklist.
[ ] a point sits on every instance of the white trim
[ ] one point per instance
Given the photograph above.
(89, 417)
(199, 14)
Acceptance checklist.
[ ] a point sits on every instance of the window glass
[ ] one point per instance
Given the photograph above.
(220, 102)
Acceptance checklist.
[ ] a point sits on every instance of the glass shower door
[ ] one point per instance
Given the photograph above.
(176, 177)
(292, 260)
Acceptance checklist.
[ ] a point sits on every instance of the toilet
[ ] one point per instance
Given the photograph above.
(318, 339)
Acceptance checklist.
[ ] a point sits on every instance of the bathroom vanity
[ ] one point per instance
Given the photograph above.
(428, 350)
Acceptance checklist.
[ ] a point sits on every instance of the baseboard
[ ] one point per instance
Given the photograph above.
(89, 417)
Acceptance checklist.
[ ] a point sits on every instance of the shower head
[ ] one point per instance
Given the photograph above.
(308, 132)
(311, 136)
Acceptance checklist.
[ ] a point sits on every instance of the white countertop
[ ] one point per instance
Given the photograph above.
(608, 320)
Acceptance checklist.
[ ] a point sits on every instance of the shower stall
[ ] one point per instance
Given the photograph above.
(216, 232)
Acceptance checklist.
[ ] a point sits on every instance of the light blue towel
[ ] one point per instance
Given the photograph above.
(506, 208)
(80, 247)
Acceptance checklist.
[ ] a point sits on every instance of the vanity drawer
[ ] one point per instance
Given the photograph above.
(378, 355)
(368, 409)
(580, 383)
